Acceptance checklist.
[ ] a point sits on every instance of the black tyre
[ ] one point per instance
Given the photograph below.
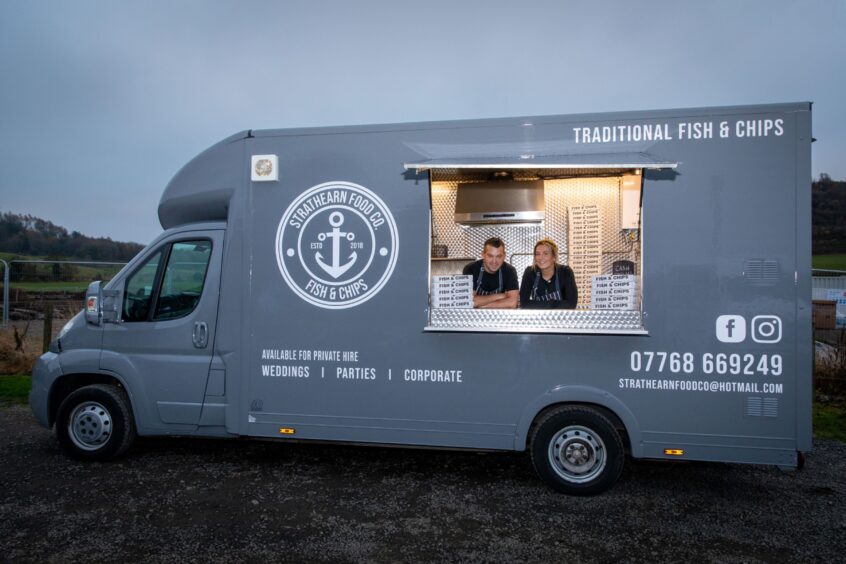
(577, 451)
(95, 423)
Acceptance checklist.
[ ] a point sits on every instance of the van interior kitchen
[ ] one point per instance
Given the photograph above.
(590, 208)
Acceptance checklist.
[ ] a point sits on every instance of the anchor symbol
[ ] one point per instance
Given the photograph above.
(336, 269)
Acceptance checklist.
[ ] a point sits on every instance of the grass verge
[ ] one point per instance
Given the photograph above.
(830, 421)
(73, 286)
(829, 262)
(15, 388)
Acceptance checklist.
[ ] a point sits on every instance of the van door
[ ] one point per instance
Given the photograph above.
(162, 347)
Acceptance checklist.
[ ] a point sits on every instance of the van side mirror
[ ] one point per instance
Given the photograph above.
(102, 306)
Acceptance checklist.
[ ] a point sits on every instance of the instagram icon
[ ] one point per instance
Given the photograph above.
(766, 329)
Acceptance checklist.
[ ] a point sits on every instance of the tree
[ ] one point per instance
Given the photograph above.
(30, 235)
(828, 205)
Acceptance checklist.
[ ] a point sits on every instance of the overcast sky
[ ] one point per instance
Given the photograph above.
(103, 101)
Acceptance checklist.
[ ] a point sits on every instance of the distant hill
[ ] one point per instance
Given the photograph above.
(33, 236)
(828, 215)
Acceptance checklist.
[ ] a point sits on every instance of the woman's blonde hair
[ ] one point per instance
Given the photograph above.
(551, 244)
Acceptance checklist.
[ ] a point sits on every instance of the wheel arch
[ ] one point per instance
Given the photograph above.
(602, 401)
(69, 383)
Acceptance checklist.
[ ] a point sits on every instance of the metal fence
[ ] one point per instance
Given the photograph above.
(30, 286)
(830, 338)
(825, 280)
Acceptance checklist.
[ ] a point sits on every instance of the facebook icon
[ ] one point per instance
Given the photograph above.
(731, 328)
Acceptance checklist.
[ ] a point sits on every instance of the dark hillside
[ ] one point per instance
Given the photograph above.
(829, 215)
(33, 236)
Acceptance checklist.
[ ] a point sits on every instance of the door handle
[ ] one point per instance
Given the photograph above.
(201, 334)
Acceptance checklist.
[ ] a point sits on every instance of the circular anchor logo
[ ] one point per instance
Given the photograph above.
(336, 245)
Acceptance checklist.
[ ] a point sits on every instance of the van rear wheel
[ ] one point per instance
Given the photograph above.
(95, 423)
(577, 451)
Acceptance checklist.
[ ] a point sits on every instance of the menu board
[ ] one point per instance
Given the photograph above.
(452, 292)
(614, 291)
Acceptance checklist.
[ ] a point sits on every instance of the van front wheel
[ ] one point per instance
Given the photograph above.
(577, 451)
(95, 423)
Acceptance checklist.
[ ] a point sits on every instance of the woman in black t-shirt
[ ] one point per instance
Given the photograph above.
(547, 284)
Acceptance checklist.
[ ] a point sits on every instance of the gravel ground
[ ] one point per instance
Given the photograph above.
(187, 500)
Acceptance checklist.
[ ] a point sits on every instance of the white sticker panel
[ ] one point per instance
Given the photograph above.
(264, 168)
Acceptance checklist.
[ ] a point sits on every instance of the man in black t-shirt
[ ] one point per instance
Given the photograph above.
(494, 281)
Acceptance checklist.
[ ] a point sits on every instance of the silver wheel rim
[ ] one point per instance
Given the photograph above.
(90, 425)
(577, 454)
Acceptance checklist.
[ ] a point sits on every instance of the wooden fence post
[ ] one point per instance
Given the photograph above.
(48, 326)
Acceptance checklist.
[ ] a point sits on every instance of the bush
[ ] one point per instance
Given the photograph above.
(830, 364)
(18, 355)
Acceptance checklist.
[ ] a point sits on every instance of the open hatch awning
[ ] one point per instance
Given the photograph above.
(576, 161)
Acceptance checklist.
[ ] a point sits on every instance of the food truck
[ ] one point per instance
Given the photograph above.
(308, 286)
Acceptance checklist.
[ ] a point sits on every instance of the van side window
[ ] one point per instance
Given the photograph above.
(138, 296)
(173, 291)
(183, 280)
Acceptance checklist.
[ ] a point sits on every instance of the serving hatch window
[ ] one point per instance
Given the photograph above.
(592, 214)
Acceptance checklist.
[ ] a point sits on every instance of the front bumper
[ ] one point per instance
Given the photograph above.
(47, 368)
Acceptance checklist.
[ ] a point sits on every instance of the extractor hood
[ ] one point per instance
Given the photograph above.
(500, 201)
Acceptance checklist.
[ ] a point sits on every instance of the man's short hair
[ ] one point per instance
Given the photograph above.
(495, 242)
